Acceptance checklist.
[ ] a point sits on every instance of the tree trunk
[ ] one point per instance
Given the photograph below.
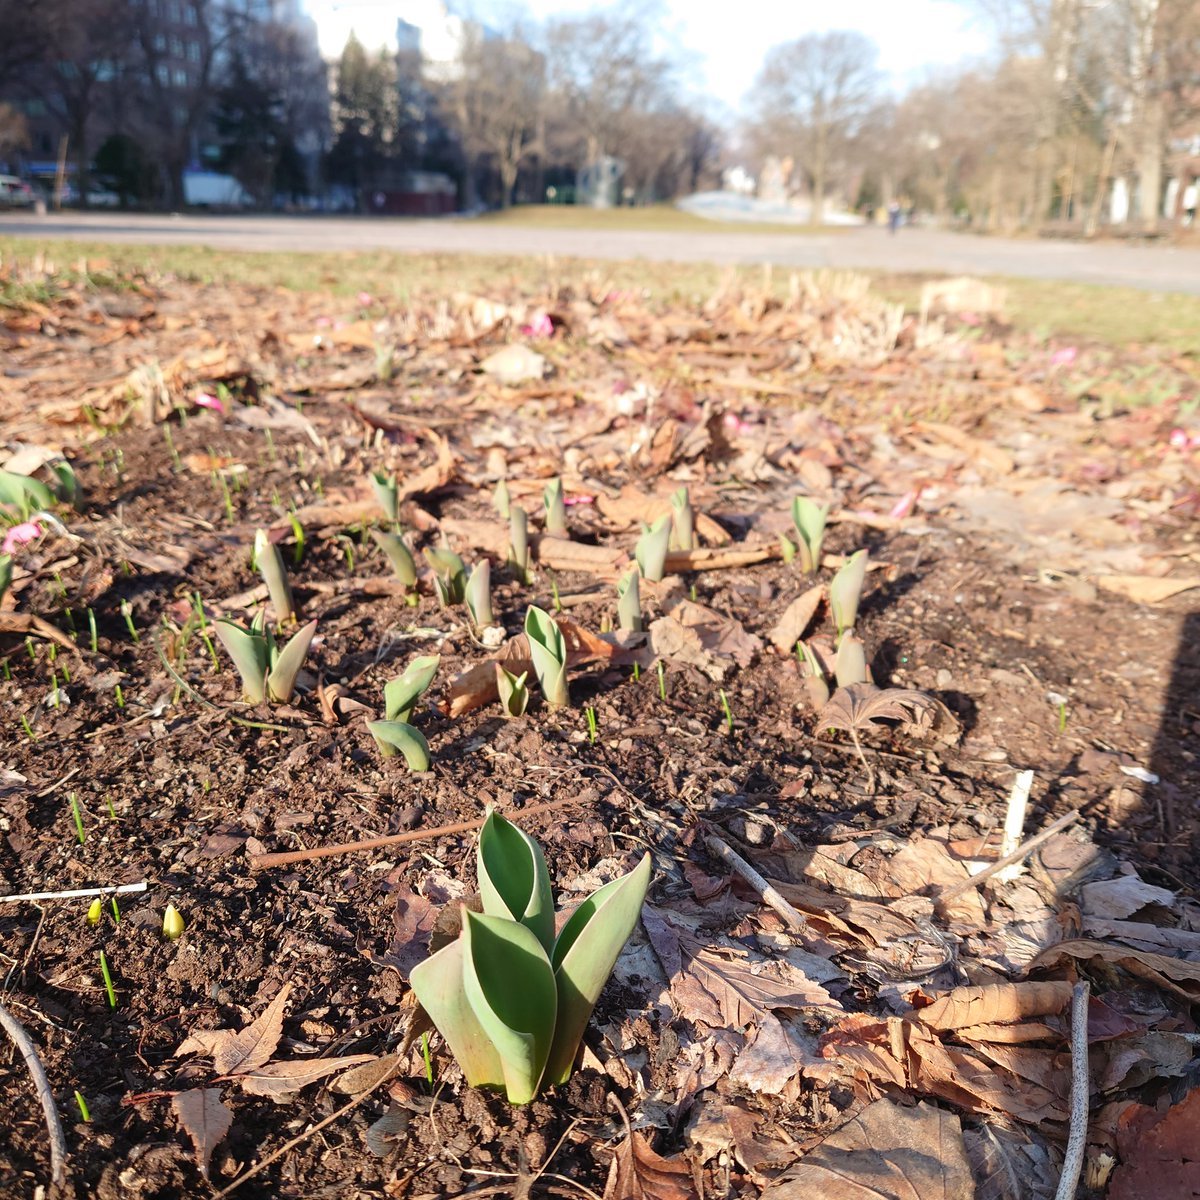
(820, 147)
(1150, 165)
(508, 181)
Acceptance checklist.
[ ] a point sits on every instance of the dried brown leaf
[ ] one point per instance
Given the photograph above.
(796, 619)
(249, 1048)
(1147, 589)
(994, 1004)
(639, 1173)
(887, 1152)
(282, 1080)
(1173, 974)
(204, 1117)
(860, 705)
(1163, 1161)
(779, 1052)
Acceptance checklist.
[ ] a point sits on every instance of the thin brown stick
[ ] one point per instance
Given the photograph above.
(793, 918)
(1007, 861)
(1068, 1182)
(58, 1140)
(258, 861)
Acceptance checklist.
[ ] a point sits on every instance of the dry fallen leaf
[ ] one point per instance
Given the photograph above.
(205, 1119)
(282, 1080)
(638, 1173)
(1162, 1162)
(1147, 589)
(795, 620)
(1173, 974)
(779, 1052)
(995, 1004)
(860, 705)
(887, 1152)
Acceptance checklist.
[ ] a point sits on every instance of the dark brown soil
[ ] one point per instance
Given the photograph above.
(173, 791)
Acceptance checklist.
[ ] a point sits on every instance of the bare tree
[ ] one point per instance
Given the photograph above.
(812, 94)
(497, 103)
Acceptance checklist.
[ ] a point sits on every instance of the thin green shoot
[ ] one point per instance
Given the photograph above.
(32, 649)
(92, 629)
(66, 670)
(692, 593)
(1062, 717)
(55, 698)
(198, 604)
(276, 498)
(426, 1057)
(7, 669)
(116, 911)
(70, 620)
(53, 652)
(118, 695)
(319, 487)
(112, 812)
(554, 592)
(226, 498)
(108, 983)
(662, 680)
(78, 816)
(270, 446)
(60, 587)
(83, 1108)
(637, 672)
(127, 613)
(174, 461)
(590, 713)
(728, 714)
(298, 536)
(28, 728)
(348, 551)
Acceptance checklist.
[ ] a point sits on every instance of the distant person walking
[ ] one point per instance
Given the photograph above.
(893, 216)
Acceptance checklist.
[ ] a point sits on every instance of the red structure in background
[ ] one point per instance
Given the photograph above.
(413, 194)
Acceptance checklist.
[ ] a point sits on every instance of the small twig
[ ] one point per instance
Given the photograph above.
(792, 917)
(1019, 853)
(122, 889)
(263, 1164)
(1068, 1182)
(258, 861)
(58, 1140)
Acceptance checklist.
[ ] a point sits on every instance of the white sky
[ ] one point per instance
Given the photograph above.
(726, 38)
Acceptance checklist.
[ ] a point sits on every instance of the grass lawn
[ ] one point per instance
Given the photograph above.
(1049, 309)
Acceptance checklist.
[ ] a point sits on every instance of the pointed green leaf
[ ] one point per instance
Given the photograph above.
(548, 652)
(249, 651)
(391, 736)
(400, 695)
(281, 680)
(501, 499)
(584, 955)
(67, 486)
(385, 491)
(556, 509)
(682, 521)
(450, 572)
(478, 594)
(845, 590)
(514, 695)
(652, 547)
(629, 602)
(398, 554)
(513, 879)
(850, 666)
(438, 985)
(809, 519)
(24, 492)
(274, 573)
(6, 573)
(518, 538)
(787, 550)
(510, 986)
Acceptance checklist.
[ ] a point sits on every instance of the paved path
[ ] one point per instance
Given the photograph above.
(1149, 267)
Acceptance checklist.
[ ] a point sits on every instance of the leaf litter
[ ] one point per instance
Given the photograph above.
(900, 1042)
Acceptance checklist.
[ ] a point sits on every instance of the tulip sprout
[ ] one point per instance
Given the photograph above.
(6, 573)
(629, 603)
(787, 548)
(556, 508)
(548, 653)
(502, 500)
(24, 493)
(384, 489)
(393, 736)
(514, 695)
(401, 694)
(683, 536)
(511, 1000)
(652, 547)
(518, 541)
(809, 519)
(449, 575)
(398, 554)
(845, 590)
(815, 682)
(268, 670)
(478, 594)
(850, 665)
(172, 925)
(274, 573)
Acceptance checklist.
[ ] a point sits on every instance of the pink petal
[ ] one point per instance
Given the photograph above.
(205, 400)
(365, 298)
(1064, 357)
(20, 535)
(905, 505)
(570, 501)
